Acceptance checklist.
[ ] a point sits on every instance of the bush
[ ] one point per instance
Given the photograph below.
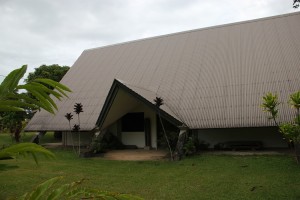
(189, 147)
(172, 136)
(102, 143)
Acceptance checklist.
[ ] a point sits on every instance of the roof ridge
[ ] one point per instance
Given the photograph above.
(130, 84)
(198, 29)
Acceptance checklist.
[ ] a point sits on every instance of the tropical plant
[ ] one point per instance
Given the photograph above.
(11, 100)
(270, 105)
(69, 117)
(78, 108)
(296, 3)
(290, 130)
(14, 123)
(48, 190)
(159, 102)
(23, 149)
(189, 147)
(295, 101)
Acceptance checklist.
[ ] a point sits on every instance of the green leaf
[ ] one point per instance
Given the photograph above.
(43, 188)
(11, 80)
(26, 98)
(17, 103)
(58, 193)
(54, 84)
(9, 87)
(41, 96)
(24, 149)
(6, 108)
(46, 90)
(72, 191)
(295, 100)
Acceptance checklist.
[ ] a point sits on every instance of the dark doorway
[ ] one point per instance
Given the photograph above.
(133, 122)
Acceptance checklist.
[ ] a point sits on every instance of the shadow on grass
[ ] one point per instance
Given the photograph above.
(5, 167)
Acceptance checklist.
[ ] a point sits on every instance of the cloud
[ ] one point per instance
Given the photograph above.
(56, 32)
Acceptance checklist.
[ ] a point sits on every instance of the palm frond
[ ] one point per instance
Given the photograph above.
(24, 149)
(48, 190)
(38, 88)
(11, 81)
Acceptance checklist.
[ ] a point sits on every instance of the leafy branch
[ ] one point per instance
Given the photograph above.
(11, 100)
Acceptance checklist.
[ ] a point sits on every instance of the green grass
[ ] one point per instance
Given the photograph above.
(199, 177)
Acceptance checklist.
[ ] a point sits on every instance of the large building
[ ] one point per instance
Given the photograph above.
(211, 80)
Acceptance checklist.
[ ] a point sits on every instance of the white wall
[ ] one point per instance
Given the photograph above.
(70, 138)
(148, 113)
(138, 138)
(134, 138)
(270, 137)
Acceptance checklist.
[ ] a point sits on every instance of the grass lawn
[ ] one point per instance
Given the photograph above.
(5, 138)
(199, 177)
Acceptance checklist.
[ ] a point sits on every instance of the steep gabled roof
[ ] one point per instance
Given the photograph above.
(209, 78)
(136, 94)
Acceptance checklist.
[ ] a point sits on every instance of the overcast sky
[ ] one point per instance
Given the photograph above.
(36, 32)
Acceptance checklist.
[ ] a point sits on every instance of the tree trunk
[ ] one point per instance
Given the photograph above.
(179, 154)
(79, 144)
(17, 132)
(167, 139)
(17, 135)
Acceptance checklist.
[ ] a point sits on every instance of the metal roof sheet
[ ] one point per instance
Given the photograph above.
(210, 78)
(150, 96)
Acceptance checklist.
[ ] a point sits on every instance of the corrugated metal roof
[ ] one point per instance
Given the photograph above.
(123, 98)
(209, 78)
(150, 96)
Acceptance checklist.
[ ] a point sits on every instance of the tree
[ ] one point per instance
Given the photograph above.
(53, 72)
(290, 130)
(78, 108)
(296, 3)
(13, 122)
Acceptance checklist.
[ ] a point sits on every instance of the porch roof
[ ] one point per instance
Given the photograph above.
(134, 94)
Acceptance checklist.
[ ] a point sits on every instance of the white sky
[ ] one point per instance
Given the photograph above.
(36, 32)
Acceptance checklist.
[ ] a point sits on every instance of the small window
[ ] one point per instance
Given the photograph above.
(133, 122)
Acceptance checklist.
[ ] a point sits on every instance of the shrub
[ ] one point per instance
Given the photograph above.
(102, 143)
(189, 147)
